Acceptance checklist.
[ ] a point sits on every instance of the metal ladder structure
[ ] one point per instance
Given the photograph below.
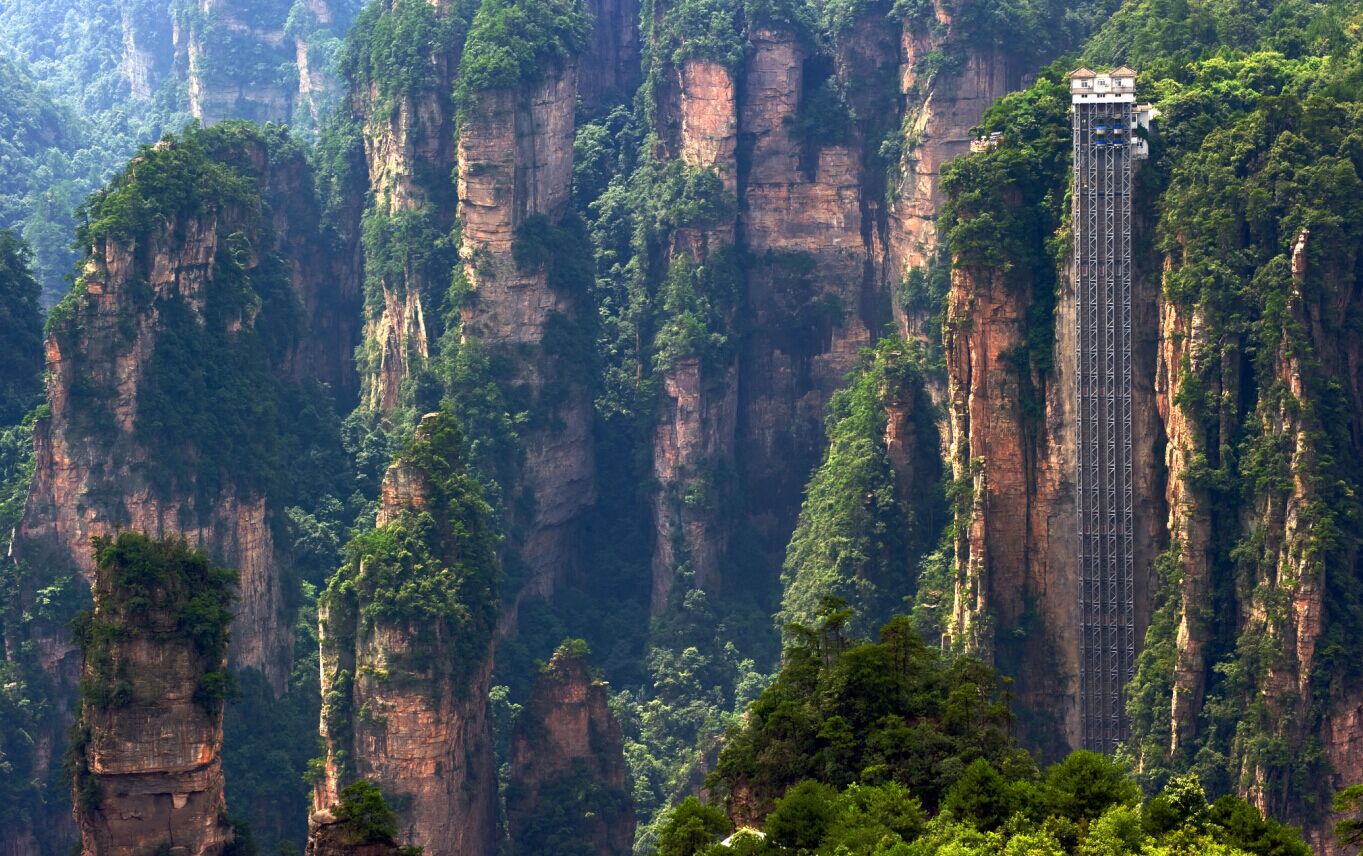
(1104, 146)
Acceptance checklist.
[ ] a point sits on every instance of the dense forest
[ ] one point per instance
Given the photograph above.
(602, 427)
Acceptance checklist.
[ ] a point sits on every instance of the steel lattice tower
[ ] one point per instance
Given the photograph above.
(1104, 118)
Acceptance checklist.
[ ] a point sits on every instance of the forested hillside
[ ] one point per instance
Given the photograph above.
(590, 426)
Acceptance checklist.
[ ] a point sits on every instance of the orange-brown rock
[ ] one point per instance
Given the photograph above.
(96, 471)
(568, 772)
(147, 761)
(515, 157)
(1280, 593)
(812, 299)
(942, 109)
(694, 437)
(329, 837)
(692, 447)
(1015, 553)
(406, 693)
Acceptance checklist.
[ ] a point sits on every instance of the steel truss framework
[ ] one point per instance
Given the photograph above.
(1102, 251)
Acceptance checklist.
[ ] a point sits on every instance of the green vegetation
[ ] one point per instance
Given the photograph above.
(434, 567)
(393, 46)
(842, 712)
(890, 748)
(70, 115)
(1349, 802)
(163, 590)
(698, 302)
(183, 176)
(512, 43)
(365, 813)
(21, 333)
(1258, 152)
(233, 57)
(861, 533)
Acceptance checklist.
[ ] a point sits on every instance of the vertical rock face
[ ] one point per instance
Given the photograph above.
(941, 110)
(266, 63)
(693, 447)
(97, 469)
(694, 438)
(215, 42)
(409, 147)
(515, 157)
(405, 676)
(610, 67)
(1183, 343)
(568, 773)
(147, 769)
(1279, 599)
(810, 232)
(147, 50)
(314, 31)
(201, 283)
(1015, 542)
(812, 299)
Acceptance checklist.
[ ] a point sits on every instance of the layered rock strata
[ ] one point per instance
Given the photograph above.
(515, 164)
(148, 772)
(694, 437)
(101, 466)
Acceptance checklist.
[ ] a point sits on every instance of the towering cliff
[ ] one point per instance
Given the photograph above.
(146, 757)
(525, 263)
(178, 369)
(568, 780)
(1244, 577)
(1261, 403)
(948, 77)
(406, 629)
(694, 436)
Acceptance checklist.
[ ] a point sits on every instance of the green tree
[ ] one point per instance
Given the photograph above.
(363, 809)
(1349, 831)
(21, 331)
(804, 816)
(691, 827)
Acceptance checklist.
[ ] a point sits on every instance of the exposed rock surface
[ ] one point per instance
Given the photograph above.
(694, 438)
(941, 111)
(96, 472)
(233, 55)
(1282, 598)
(147, 51)
(330, 837)
(148, 766)
(824, 252)
(1014, 551)
(404, 708)
(515, 156)
(610, 68)
(567, 760)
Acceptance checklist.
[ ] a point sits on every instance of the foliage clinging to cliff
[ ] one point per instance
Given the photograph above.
(860, 534)
(891, 749)
(434, 564)
(21, 331)
(161, 590)
(511, 43)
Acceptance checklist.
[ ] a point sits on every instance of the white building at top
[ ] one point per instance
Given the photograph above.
(1092, 88)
